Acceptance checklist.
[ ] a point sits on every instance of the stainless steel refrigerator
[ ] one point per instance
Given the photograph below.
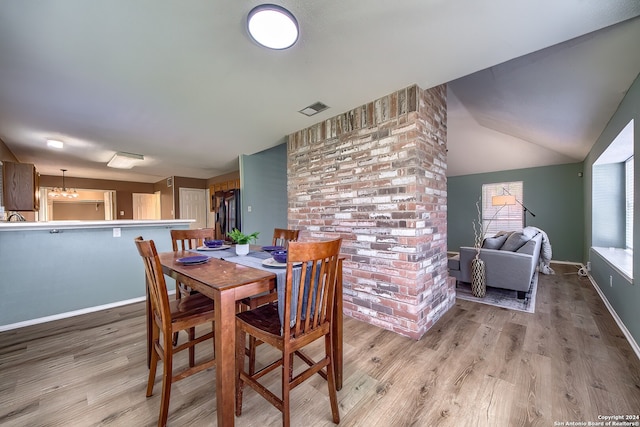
(227, 212)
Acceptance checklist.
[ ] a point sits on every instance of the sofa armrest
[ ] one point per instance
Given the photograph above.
(504, 269)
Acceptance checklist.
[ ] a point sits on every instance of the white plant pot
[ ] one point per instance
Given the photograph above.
(242, 249)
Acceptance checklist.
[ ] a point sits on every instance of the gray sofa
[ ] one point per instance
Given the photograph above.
(505, 268)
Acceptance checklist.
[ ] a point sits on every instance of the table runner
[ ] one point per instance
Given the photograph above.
(254, 259)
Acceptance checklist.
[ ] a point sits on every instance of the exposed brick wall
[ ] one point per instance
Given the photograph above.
(375, 176)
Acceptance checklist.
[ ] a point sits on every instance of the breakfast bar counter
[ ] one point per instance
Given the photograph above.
(55, 269)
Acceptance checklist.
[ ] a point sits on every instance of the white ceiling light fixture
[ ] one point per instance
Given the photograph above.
(273, 26)
(55, 143)
(122, 160)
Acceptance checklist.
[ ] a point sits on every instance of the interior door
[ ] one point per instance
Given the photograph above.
(109, 205)
(145, 206)
(193, 205)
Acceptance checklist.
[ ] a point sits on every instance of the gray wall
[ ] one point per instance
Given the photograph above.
(553, 193)
(623, 296)
(46, 274)
(263, 180)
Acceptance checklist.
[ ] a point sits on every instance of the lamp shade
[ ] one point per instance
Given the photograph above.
(503, 200)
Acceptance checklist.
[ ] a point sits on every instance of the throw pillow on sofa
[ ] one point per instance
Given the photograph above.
(514, 242)
(494, 242)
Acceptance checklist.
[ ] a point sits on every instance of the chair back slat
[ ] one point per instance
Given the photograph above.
(190, 239)
(313, 288)
(155, 281)
(282, 236)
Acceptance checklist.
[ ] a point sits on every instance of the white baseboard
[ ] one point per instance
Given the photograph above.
(74, 313)
(621, 325)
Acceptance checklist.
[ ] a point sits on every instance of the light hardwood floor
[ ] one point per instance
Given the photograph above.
(478, 366)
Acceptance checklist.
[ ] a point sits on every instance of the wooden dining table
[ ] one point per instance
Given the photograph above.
(226, 282)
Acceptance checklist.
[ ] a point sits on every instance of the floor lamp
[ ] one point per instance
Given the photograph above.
(511, 200)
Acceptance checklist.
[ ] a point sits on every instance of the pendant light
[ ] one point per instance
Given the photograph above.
(63, 192)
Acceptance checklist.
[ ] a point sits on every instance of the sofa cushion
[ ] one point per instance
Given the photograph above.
(494, 242)
(514, 242)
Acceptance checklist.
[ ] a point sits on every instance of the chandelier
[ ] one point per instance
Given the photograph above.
(64, 191)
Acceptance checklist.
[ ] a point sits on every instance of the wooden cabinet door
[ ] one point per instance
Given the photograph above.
(20, 186)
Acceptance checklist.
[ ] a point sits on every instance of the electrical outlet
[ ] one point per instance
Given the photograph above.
(611, 281)
(117, 232)
(249, 208)
(588, 265)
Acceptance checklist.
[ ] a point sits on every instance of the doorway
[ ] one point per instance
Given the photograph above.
(89, 205)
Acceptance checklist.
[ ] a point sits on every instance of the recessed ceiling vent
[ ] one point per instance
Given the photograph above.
(314, 109)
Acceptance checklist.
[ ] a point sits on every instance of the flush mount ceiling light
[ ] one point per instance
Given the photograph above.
(54, 143)
(272, 26)
(122, 160)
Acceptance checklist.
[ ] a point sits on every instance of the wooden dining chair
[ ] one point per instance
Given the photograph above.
(169, 317)
(309, 296)
(184, 240)
(281, 237)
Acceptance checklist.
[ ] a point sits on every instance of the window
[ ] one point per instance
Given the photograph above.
(628, 196)
(612, 193)
(612, 203)
(501, 218)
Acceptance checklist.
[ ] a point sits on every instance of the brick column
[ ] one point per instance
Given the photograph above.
(375, 176)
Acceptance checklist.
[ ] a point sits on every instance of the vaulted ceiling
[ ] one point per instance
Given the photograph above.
(530, 83)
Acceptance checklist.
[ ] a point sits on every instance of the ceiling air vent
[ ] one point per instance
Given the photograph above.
(314, 109)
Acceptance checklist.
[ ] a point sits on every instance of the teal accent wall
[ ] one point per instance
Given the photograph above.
(45, 274)
(623, 296)
(263, 179)
(553, 193)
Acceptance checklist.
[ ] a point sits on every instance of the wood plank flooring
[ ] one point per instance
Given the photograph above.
(478, 366)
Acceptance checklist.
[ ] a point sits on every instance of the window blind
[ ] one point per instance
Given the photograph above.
(501, 218)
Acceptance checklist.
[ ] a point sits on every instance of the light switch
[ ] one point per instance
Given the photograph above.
(121, 213)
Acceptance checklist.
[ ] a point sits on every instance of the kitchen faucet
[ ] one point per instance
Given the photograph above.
(18, 215)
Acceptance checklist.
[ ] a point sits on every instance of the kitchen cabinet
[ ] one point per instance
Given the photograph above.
(20, 186)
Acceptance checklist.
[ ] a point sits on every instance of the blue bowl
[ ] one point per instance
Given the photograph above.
(213, 243)
(279, 256)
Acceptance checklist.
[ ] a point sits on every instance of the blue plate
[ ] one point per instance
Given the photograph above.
(272, 248)
(198, 259)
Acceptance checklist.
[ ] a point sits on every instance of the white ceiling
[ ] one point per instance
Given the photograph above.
(182, 83)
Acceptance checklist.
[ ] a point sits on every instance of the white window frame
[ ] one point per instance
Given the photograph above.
(628, 196)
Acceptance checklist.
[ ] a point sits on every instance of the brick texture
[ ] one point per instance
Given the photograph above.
(376, 176)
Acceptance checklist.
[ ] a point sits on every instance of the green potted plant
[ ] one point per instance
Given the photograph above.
(242, 240)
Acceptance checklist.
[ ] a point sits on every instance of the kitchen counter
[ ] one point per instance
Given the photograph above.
(70, 225)
(51, 270)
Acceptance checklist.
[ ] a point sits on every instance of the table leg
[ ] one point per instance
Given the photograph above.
(337, 329)
(225, 342)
